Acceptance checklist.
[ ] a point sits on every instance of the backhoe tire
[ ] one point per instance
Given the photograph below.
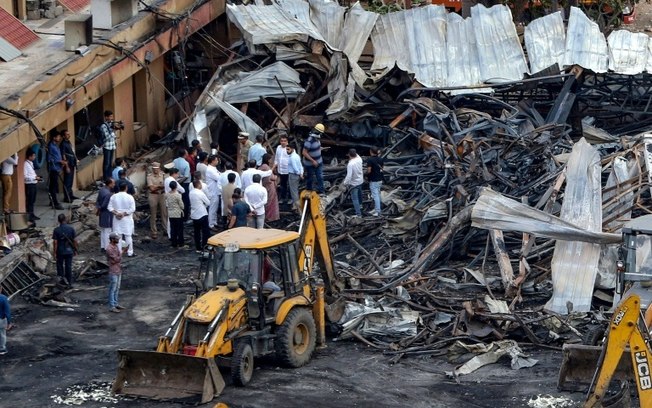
(242, 364)
(295, 338)
(594, 336)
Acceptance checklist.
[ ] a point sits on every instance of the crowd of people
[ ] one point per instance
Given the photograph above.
(195, 189)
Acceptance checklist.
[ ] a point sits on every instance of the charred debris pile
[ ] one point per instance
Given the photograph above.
(495, 197)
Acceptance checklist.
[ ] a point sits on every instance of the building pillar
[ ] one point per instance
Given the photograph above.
(70, 126)
(156, 96)
(18, 198)
(120, 100)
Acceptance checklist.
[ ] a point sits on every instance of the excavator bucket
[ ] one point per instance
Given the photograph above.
(166, 376)
(579, 364)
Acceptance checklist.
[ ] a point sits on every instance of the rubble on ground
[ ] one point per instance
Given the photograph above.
(535, 151)
(491, 188)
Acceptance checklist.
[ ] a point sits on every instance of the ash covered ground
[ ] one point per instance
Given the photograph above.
(66, 356)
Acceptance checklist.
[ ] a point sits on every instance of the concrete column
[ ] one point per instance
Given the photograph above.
(156, 96)
(121, 101)
(141, 95)
(18, 198)
(70, 126)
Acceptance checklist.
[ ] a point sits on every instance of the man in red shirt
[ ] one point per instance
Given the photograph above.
(114, 259)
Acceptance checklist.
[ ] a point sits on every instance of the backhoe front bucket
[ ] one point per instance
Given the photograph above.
(579, 364)
(166, 376)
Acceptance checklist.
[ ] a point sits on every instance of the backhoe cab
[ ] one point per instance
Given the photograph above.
(261, 298)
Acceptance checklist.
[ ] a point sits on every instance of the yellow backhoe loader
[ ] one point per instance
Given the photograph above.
(627, 333)
(628, 330)
(261, 297)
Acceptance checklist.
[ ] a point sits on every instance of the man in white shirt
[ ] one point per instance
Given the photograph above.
(354, 179)
(214, 190)
(256, 196)
(281, 160)
(173, 175)
(257, 151)
(224, 176)
(30, 179)
(199, 215)
(202, 164)
(295, 175)
(7, 184)
(248, 175)
(122, 205)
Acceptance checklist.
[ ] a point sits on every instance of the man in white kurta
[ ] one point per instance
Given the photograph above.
(256, 196)
(123, 206)
(214, 188)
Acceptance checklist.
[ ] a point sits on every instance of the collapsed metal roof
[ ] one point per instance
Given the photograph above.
(444, 50)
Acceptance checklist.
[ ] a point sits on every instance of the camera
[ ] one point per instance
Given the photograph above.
(118, 125)
(95, 151)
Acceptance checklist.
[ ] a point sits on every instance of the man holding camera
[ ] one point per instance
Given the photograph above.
(109, 141)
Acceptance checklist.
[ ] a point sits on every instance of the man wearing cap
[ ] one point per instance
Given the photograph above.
(114, 260)
(244, 144)
(312, 159)
(156, 199)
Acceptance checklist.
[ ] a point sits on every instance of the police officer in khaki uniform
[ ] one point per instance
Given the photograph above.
(156, 199)
(244, 146)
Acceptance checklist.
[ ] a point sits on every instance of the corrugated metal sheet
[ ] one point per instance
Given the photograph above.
(627, 52)
(648, 65)
(462, 52)
(300, 10)
(499, 49)
(328, 18)
(545, 41)
(357, 27)
(441, 49)
(266, 24)
(575, 264)
(251, 86)
(75, 6)
(244, 122)
(7, 51)
(414, 40)
(585, 44)
(15, 32)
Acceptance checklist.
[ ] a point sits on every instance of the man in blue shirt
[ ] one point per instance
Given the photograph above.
(239, 212)
(5, 322)
(55, 163)
(184, 180)
(312, 159)
(119, 166)
(65, 247)
(257, 151)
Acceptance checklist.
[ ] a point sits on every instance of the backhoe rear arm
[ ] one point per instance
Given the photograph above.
(624, 330)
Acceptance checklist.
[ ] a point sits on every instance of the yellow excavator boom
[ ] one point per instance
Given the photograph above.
(627, 328)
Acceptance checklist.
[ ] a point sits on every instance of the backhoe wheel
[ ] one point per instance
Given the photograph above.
(295, 339)
(242, 364)
(594, 336)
